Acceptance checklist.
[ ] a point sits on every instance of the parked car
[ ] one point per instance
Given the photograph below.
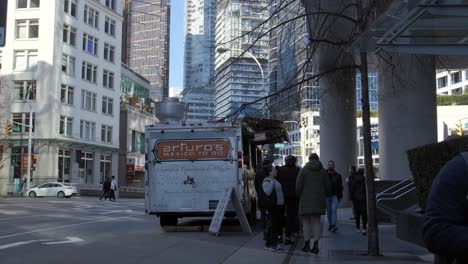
(58, 189)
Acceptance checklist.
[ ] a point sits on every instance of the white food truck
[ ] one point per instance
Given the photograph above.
(190, 166)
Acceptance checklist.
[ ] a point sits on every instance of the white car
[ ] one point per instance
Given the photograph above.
(52, 189)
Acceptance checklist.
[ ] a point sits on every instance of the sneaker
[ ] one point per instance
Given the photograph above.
(267, 248)
(352, 218)
(288, 241)
(278, 248)
(364, 232)
(358, 230)
(334, 229)
(330, 228)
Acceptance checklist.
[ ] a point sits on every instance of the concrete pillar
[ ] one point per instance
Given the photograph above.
(338, 87)
(338, 137)
(407, 110)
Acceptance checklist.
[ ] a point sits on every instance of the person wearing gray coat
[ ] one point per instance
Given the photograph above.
(312, 188)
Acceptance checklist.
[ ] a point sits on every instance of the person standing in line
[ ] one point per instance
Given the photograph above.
(113, 189)
(273, 201)
(359, 197)
(349, 181)
(287, 176)
(259, 177)
(105, 189)
(312, 188)
(335, 196)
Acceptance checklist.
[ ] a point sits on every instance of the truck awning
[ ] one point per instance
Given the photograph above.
(265, 131)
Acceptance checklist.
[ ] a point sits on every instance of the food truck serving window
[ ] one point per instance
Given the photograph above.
(205, 149)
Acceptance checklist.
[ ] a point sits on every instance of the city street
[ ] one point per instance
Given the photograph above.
(86, 230)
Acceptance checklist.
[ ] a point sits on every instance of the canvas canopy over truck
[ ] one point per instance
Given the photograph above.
(190, 166)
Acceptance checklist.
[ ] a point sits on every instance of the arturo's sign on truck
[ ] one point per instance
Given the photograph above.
(206, 149)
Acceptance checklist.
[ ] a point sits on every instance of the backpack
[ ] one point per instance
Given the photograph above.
(267, 201)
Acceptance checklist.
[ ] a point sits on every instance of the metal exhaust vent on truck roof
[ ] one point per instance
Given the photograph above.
(170, 110)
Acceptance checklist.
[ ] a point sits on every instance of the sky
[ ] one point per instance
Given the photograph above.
(176, 49)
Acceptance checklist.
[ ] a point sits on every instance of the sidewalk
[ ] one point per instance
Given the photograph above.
(344, 246)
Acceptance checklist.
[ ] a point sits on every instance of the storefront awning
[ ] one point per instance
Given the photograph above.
(436, 27)
(265, 131)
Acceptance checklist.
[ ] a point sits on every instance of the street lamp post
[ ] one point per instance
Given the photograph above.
(28, 183)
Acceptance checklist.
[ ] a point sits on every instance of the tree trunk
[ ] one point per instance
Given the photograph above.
(373, 228)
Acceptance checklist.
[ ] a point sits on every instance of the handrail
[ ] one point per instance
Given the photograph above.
(396, 185)
(386, 195)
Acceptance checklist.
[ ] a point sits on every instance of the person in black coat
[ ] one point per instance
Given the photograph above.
(105, 189)
(349, 180)
(359, 197)
(287, 176)
(445, 229)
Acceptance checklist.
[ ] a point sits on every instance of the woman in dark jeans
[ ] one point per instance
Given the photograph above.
(273, 191)
(359, 198)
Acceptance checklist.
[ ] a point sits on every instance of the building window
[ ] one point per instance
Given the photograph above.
(25, 59)
(110, 4)
(25, 90)
(87, 130)
(105, 168)
(21, 122)
(457, 91)
(108, 79)
(89, 72)
(28, 3)
(456, 77)
(90, 44)
(88, 100)
(64, 165)
(109, 26)
(66, 125)
(138, 142)
(442, 82)
(68, 64)
(87, 166)
(109, 52)
(107, 105)
(69, 35)
(70, 7)
(27, 29)
(17, 157)
(91, 16)
(106, 134)
(66, 94)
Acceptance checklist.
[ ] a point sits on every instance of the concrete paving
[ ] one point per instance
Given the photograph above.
(86, 230)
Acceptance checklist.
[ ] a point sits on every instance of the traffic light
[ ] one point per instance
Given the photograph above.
(459, 129)
(8, 128)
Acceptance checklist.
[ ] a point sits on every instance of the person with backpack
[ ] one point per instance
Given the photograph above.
(445, 229)
(312, 187)
(287, 176)
(259, 177)
(272, 199)
(358, 194)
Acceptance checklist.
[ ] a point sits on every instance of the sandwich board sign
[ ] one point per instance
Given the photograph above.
(229, 195)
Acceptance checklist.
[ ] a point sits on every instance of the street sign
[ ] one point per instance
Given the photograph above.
(16, 128)
(466, 125)
(279, 145)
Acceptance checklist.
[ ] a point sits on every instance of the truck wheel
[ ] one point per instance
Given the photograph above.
(166, 220)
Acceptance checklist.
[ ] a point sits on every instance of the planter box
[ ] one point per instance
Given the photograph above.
(409, 227)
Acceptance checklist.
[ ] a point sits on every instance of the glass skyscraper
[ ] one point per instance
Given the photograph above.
(146, 42)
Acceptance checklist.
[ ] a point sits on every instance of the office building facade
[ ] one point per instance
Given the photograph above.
(61, 61)
(146, 42)
(241, 61)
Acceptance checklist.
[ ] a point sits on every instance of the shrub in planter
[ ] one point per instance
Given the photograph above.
(426, 161)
